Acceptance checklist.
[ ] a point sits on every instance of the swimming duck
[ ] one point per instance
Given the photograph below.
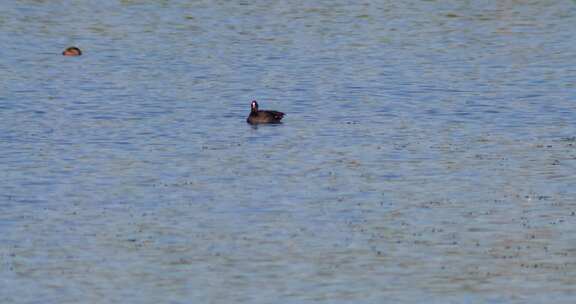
(72, 51)
(263, 116)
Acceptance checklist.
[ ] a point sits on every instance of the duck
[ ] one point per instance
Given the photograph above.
(72, 51)
(263, 116)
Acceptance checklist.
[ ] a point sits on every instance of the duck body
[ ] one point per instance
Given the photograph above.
(263, 116)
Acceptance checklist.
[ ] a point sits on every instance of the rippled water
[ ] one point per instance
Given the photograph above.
(427, 155)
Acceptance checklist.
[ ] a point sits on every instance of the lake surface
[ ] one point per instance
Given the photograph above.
(427, 156)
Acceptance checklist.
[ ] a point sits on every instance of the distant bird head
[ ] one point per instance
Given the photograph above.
(72, 51)
(254, 106)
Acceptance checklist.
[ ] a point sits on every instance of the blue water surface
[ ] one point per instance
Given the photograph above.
(427, 156)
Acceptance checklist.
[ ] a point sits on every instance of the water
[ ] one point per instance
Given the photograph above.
(427, 155)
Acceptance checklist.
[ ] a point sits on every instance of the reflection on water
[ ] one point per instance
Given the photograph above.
(427, 154)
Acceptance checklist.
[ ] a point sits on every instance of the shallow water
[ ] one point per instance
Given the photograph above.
(427, 155)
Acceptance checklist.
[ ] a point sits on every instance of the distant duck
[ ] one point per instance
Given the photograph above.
(263, 116)
(72, 51)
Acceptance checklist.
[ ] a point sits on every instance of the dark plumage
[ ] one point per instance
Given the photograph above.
(263, 116)
(72, 51)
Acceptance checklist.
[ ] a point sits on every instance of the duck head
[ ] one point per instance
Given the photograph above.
(72, 51)
(254, 106)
